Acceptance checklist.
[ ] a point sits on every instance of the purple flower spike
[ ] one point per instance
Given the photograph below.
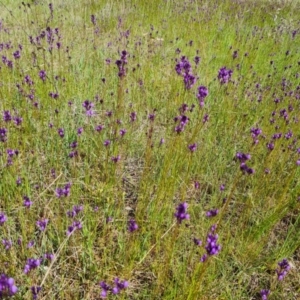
(224, 75)
(202, 92)
(3, 218)
(121, 64)
(42, 224)
(283, 269)
(132, 225)
(7, 286)
(35, 290)
(181, 212)
(3, 132)
(42, 75)
(27, 202)
(212, 248)
(7, 116)
(197, 242)
(212, 213)
(31, 264)
(264, 294)
(7, 245)
(193, 147)
(63, 192)
(105, 289)
(119, 285)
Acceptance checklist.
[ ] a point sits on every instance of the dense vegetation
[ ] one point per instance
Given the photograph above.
(149, 149)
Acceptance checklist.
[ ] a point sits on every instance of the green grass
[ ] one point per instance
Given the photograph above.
(258, 223)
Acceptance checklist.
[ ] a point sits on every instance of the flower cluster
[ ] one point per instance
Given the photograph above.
(255, 132)
(181, 212)
(183, 120)
(264, 294)
(202, 94)
(7, 286)
(224, 75)
(42, 224)
(132, 225)
(184, 68)
(3, 218)
(242, 157)
(31, 264)
(63, 192)
(88, 106)
(283, 269)
(76, 225)
(3, 136)
(116, 289)
(76, 210)
(121, 64)
(211, 247)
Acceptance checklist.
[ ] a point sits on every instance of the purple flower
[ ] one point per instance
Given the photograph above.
(76, 209)
(17, 54)
(76, 225)
(181, 212)
(133, 116)
(3, 218)
(63, 192)
(7, 286)
(197, 185)
(283, 269)
(35, 290)
(255, 132)
(79, 131)
(53, 95)
(7, 245)
(3, 132)
(6, 116)
(93, 20)
(212, 248)
(42, 75)
(242, 157)
(151, 117)
(197, 242)
(61, 132)
(121, 64)
(270, 146)
(31, 264)
(115, 159)
(49, 256)
(17, 120)
(42, 224)
(193, 147)
(106, 143)
(189, 80)
(212, 213)
(123, 132)
(88, 105)
(132, 225)
(224, 75)
(202, 92)
(119, 285)
(184, 68)
(30, 244)
(245, 169)
(27, 203)
(105, 289)
(99, 128)
(197, 60)
(264, 294)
